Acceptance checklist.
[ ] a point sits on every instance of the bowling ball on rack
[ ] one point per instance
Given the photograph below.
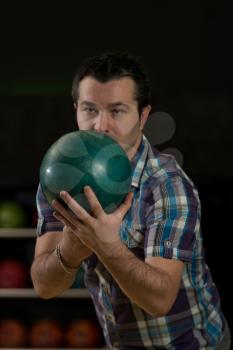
(83, 333)
(13, 333)
(13, 274)
(45, 333)
(83, 158)
(12, 214)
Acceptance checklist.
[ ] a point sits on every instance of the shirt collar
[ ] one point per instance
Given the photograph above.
(138, 161)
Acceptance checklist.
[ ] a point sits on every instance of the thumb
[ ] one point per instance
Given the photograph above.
(124, 207)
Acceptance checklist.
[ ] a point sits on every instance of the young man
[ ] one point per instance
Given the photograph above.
(144, 263)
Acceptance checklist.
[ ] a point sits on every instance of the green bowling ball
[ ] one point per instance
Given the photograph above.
(12, 215)
(83, 158)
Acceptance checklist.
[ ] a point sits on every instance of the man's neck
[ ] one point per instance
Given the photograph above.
(133, 150)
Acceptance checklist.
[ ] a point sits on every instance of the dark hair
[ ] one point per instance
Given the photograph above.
(109, 66)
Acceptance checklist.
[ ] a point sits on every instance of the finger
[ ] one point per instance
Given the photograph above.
(93, 201)
(66, 213)
(124, 207)
(63, 210)
(74, 206)
(66, 222)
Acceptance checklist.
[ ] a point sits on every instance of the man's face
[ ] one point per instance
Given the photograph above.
(110, 108)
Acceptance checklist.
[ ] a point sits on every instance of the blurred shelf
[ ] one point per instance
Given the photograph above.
(30, 293)
(18, 232)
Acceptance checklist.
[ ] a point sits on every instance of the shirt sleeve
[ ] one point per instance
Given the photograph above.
(173, 220)
(46, 221)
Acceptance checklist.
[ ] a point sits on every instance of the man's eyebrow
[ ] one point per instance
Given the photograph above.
(118, 104)
(110, 105)
(88, 103)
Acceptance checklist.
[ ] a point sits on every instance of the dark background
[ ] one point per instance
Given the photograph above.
(186, 48)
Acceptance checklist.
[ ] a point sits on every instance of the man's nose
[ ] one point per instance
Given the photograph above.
(102, 123)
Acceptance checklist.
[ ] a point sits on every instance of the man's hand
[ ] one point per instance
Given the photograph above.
(95, 230)
(72, 247)
(153, 285)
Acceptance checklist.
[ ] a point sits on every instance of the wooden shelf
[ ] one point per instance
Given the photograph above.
(30, 293)
(18, 232)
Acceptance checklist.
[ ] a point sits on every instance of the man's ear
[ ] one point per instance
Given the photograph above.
(144, 116)
(75, 106)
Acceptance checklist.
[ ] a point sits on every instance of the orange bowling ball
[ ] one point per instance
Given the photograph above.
(83, 333)
(13, 333)
(45, 334)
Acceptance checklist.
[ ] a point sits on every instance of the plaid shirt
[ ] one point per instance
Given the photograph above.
(164, 220)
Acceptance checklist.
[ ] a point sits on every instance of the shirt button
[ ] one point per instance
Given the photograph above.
(105, 289)
(109, 317)
(168, 244)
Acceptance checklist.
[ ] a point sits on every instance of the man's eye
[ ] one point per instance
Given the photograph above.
(90, 110)
(117, 111)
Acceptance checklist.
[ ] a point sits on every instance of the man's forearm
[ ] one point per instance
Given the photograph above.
(143, 284)
(49, 277)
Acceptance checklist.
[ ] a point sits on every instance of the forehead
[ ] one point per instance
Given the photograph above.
(116, 90)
